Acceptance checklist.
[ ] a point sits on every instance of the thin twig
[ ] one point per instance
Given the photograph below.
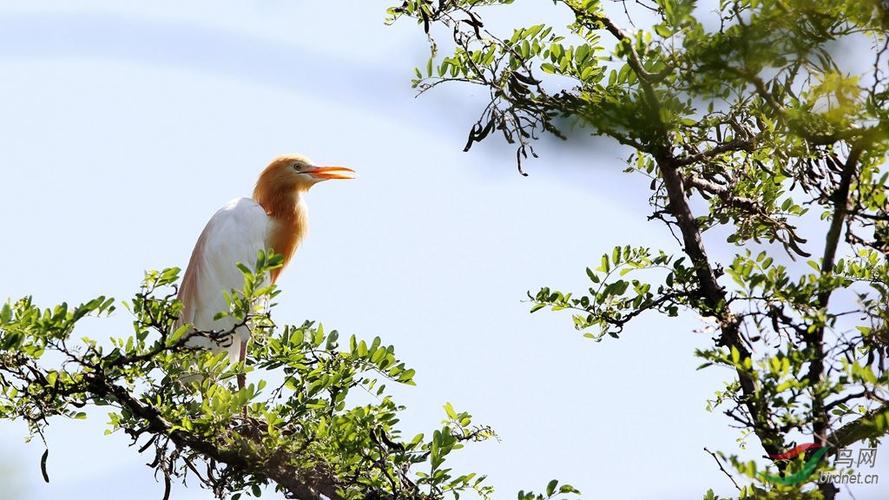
(722, 468)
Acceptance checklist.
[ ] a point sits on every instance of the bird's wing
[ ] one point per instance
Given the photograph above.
(234, 234)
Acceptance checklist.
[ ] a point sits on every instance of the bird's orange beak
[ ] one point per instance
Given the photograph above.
(331, 172)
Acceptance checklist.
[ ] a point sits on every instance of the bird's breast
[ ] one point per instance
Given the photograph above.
(285, 235)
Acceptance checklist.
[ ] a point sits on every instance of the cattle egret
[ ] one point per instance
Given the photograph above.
(274, 218)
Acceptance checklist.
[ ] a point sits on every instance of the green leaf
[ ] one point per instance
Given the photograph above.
(5, 314)
(551, 488)
(449, 409)
(663, 30)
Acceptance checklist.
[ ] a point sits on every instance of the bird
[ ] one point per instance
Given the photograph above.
(274, 218)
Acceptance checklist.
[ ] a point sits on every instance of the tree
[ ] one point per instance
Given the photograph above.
(753, 132)
(310, 435)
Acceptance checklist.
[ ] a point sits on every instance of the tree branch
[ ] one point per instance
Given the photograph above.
(286, 476)
(820, 419)
(861, 428)
(726, 147)
(712, 292)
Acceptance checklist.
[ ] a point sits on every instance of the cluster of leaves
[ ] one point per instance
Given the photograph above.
(750, 129)
(612, 303)
(310, 435)
(553, 490)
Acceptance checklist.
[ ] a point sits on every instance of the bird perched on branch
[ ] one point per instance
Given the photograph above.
(274, 218)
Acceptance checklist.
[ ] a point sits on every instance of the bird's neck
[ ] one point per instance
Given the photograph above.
(289, 222)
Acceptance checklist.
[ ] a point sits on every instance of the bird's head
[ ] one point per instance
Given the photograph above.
(298, 173)
(290, 175)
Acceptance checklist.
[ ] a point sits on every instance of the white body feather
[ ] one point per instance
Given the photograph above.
(234, 234)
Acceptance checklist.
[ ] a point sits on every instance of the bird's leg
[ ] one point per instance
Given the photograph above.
(242, 378)
(242, 355)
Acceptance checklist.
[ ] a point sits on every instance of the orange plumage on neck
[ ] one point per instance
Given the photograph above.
(279, 193)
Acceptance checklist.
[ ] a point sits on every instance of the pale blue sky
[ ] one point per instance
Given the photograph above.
(123, 127)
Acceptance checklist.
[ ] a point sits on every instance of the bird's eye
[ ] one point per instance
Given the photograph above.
(297, 167)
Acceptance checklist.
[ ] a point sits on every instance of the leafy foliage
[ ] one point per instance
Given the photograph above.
(309, 434)
(750, 128)
(613, 301)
